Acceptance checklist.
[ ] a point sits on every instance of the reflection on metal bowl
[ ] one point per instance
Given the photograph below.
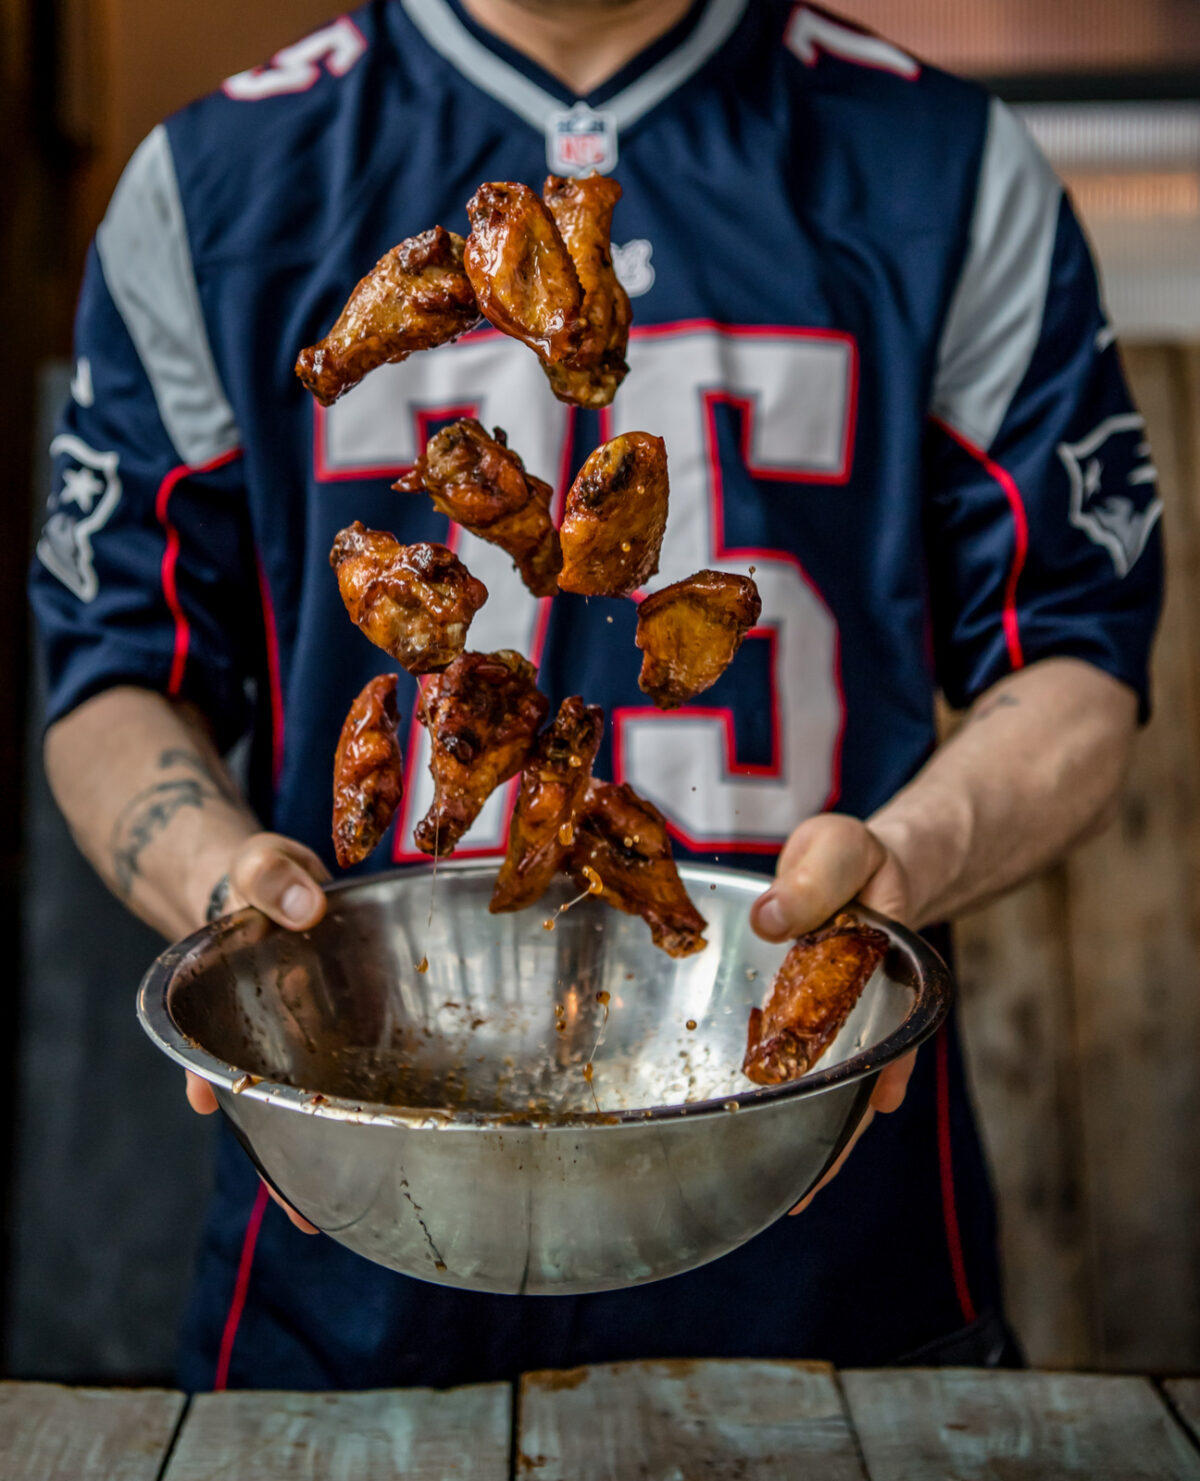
(540, 1111)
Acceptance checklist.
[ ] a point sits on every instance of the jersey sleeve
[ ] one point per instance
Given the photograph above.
(1043, 513)
(145, 571)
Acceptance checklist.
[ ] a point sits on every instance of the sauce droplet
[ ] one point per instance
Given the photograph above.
(439, 1266)
(626, 547)
(587, 1073)
(566, 835)
(423, 965)
(574, 761)
(753, 569)
(604, 997)
(691, 1024)
(595, 883)
(548, 925)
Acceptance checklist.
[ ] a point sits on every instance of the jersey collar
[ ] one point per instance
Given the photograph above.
(466, 49)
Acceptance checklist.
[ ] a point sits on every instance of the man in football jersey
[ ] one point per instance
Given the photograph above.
(868, 327)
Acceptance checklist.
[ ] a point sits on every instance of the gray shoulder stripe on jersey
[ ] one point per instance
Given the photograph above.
(143, 248)
(996, 315)
(439, 25)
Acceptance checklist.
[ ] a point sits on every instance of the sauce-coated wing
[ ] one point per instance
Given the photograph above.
(553, 785)
(483, 715)
(821, 979)
(689, 633)
(615, 518)
(368, 772)
(582, 211)
(522, 274)
(624, 839)
(414, 298)
(482, 484)
(415, 602)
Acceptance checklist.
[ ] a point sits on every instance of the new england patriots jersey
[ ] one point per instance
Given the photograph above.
(869, 330)
(866, 324)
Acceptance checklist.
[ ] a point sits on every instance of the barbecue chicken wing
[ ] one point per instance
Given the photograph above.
(522, 274)
(482, 484)
(689, 633)
(615, 517)
(415, 602)
(821, 979)
(582, 211)
(553, 785)
(483, 715)
(368, 772)
(416, 297)
(623, 838)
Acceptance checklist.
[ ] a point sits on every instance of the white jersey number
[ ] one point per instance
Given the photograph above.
(796, 393)
(296, 68)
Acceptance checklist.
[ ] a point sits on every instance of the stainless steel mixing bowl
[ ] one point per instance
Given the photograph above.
(446, 1122)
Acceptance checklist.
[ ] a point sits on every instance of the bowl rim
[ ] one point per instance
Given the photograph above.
(934, 993)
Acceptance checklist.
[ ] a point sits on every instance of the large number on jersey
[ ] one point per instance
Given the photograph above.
(296, 68)
(811, 32)
(795, 393)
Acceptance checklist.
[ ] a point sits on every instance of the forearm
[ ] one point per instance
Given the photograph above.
(1037, 765)
(149, 803)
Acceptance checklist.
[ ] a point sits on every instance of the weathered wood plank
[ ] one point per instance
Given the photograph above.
(930, 1425)
(418, 1434)
(679, 1421)
(1185, 1395)
(50, 1433)
(1135, 944)
(1018, 1028)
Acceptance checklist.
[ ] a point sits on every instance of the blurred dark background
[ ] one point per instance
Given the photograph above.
(1083, 1014)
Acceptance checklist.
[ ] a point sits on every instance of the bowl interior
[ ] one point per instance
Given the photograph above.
(508, 1016)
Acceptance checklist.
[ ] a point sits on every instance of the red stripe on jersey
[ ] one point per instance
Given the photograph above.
(170, 560)
(274, 673)
(240, 1286)
(958, 1265)
(1012, 626)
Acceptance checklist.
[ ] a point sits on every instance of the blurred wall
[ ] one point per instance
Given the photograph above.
(1082, 1011)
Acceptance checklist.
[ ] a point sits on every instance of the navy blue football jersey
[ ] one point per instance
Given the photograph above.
(866, 324)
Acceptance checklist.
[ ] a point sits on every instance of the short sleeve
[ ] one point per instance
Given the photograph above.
(1043, 516)
(144, 570)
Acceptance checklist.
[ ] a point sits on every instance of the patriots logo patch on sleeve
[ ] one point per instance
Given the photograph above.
(82, 504)
(1114, 492)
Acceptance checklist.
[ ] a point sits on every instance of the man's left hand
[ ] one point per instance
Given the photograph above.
(827, 862)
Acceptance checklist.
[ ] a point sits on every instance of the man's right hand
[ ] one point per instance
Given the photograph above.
(283, 879)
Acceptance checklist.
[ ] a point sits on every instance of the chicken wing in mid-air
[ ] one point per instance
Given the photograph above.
(616, 514)
(522, 274)
(623, 838)
(582, 211)
(415, 602)
(482, 484)
(416, 297)
(690, 632)
(368, 772)
(821, 979)
(483, 715)
(553, 785)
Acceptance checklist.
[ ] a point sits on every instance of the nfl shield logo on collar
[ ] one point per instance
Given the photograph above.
(580, 140)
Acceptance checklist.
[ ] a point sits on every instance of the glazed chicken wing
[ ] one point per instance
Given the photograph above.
(522, 274)
(416, 297)
(582, 211)
(483, 715)
(623, 838)
(821, 979)
(616, 514)
(689, 633)
(415, 602)
(368, 772)
(553, 785)
(482, 484)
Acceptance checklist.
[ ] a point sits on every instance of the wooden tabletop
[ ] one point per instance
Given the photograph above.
(682, 1421)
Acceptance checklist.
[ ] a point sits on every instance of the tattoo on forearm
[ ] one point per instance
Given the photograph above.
(145, 816)
(989, 707)
(193, 761)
